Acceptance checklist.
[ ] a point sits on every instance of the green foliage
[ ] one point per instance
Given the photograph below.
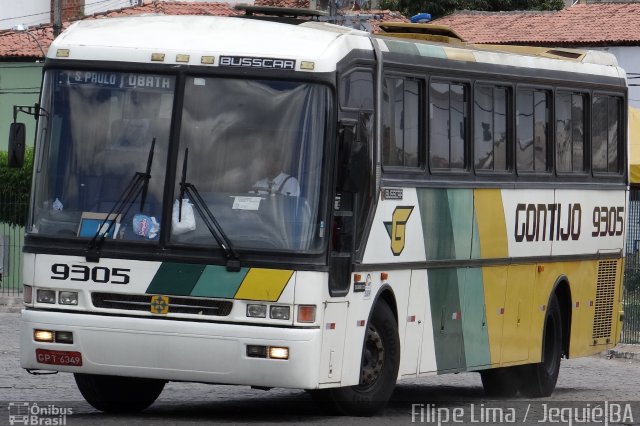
(15, 186)
(440, 8)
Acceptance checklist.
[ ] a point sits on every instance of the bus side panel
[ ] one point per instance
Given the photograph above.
(474, 321)
(517, 314)
(446, 313)
(595, 307)
(447, 222)
(495, 285)
(333, 339)
(490, 230)
(417, 321)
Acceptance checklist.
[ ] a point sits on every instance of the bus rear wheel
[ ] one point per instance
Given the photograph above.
(539, 380)
(379, 368)
(115, 394)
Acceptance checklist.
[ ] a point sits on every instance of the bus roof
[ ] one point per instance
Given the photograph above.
(315, 46)
(187, 39)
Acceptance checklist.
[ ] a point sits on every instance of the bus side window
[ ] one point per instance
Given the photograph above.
(401, 129)
(570, 137)
(356, 90)
(491, 115)
(532, 127)
(448, 117)
(606, 133)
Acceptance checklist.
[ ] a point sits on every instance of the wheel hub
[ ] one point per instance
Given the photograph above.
(373, 358)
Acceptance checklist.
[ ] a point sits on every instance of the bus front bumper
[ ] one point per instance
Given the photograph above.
(173, 350)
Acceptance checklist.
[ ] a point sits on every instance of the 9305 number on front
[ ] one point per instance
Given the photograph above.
(97, 274)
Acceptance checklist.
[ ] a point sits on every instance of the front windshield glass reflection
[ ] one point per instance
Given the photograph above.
(96, 133)
(255, 156)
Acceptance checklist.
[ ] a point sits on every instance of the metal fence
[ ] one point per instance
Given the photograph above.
(631, 325)
(11, 237)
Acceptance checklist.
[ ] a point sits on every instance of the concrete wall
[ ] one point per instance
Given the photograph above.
(629, 59)
(19, 85)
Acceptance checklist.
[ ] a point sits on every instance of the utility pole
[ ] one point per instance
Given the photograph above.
(57, 18)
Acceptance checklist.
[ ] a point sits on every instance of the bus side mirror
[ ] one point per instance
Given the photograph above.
(352, 161)
(16, 144)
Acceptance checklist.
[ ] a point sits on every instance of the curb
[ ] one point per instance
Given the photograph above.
(624, 351)
(10, 304)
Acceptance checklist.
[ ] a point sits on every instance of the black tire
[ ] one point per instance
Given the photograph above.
(379, 369)
(115, 394)
(539, 380)
(501, 382)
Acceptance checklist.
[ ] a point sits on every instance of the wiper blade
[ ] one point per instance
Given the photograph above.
(233, 260)
(138, 184)
(147, 175)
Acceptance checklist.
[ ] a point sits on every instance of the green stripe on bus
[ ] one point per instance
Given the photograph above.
(432, 51)
(177, 279)
(408, 48)
(444, 299)
(461, 210)
(474, 320)
(436, 224)
(216, 281)
(447, 222)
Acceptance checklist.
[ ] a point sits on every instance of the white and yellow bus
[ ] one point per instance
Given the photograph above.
(253, 202)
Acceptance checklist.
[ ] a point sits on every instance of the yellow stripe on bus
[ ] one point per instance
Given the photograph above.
(263, 284)
(491, 223)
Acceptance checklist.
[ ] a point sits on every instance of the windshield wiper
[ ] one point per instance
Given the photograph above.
(138, 184)
(233, 261)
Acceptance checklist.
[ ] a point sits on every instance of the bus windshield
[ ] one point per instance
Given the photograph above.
(96, 132)
(254, 153)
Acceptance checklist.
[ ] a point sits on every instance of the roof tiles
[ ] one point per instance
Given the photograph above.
(579, 25)
(16, 44)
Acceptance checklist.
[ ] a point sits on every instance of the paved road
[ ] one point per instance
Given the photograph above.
(584, 386)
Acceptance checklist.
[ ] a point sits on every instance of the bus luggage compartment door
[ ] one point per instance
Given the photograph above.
(333, 335)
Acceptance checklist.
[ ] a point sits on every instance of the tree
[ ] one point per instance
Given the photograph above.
(15, 185)
(439, 8)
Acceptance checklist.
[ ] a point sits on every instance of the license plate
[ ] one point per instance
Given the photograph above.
(46, 356)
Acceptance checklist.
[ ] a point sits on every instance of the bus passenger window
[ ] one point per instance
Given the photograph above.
(490, 125)
(570, 132)
(401, 122)
(606, 134)
(356, 90)
(447, 125)
(532, 126)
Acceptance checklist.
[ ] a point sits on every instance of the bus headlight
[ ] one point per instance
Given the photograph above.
(279, 312)
(43, 336)
(46, 296)
(68, 298)
(257, 311)
(276, 352)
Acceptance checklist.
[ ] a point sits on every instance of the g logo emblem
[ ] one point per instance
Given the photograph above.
(397, 228)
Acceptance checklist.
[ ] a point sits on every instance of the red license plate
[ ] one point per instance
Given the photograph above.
(46, 356)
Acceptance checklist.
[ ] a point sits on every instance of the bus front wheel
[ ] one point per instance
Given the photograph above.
(539, 380)
(115, 394)
(379, 368)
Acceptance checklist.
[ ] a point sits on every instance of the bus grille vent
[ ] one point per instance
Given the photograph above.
(605, 293)
(177, 304)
